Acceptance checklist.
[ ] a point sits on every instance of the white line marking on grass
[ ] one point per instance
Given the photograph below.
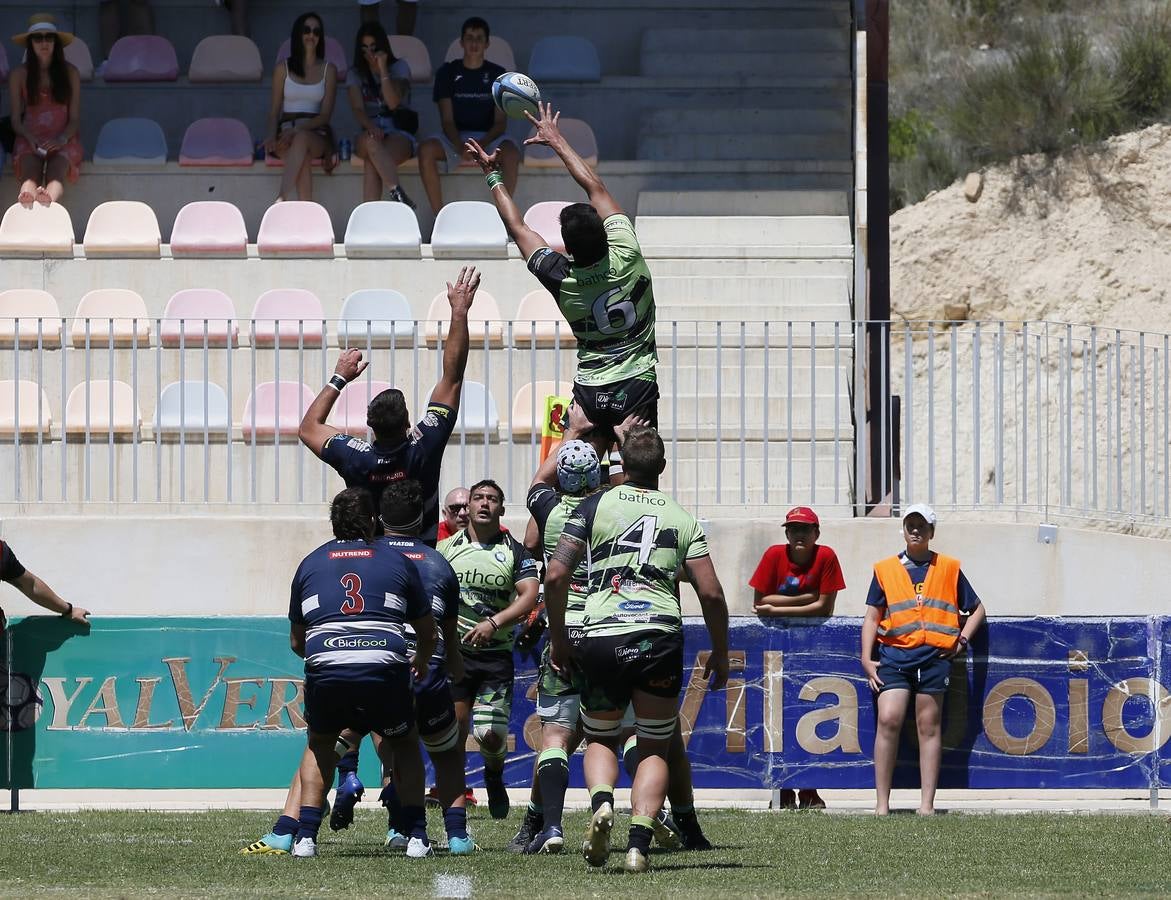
(454, 886)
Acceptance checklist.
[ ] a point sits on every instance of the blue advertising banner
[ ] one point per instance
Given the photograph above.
(217, 702)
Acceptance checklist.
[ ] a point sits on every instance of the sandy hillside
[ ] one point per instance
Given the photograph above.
(1096, 254)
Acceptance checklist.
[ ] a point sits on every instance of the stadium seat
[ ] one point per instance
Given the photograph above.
(122, 228)
(334, 53)
(291, 315)
(543, 219)
(539, 321)
(110, 312)
(191, 408)
(528, 406)
(225, 58)
(581, 138)
(101, 408)
(275, 408)
(414, 51)
(36, 230)
(381, 229)
(349, 412)
(216, 142)
(564, 58)
(141, 57)
(194, 313)
(209, 228)
(131, 141)
(36, 311)
(295, 228)
(478, 415)
(499, 51)
(77, 53)
(483, 319)
(469, 228)
(377, 318)
(24, 410)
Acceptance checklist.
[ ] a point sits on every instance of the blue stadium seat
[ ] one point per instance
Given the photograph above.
(191, 407)
(131, 141)
(564, 58)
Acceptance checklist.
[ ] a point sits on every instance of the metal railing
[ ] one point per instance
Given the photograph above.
(1042, 417)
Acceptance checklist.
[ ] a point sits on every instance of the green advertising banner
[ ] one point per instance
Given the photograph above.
(138, 702)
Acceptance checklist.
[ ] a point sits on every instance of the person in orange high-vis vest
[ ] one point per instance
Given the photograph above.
(915, 614)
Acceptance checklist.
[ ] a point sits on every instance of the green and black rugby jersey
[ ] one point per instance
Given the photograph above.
(551, 511)
(610, 306)
(637, 539)
(488, 576)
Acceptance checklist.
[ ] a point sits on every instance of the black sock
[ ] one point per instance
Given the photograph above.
(285, 825)
(394, 809)
(455, 822)
(685, 817)
(347, 764)
(599, 794)
(414, 820)
(641, 832)
(310, 822)
(553, 775)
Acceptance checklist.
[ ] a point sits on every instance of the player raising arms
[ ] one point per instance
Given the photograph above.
(637, 538)
(603, 288)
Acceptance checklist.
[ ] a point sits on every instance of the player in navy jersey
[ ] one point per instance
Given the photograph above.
(401, 515)
(398, 451)
(350, 601)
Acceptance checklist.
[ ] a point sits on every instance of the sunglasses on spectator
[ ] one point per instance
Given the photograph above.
(370, 48)
(311, 29)
(42, 38)
(456, 507)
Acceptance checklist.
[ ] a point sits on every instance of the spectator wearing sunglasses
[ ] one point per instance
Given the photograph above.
(455, 513)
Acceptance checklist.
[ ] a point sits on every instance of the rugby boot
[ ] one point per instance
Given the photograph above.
(550, 840)
(533, 823)
(276, 844)
(635, 861)
(596, 847)
(349, 792)
(498, 805)
(417, 848)
(395, 841)
(304, 848)
(666, 831)
(464, 846)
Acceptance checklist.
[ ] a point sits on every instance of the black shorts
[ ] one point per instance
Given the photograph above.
(488, 678)
(434, 710)
(386, 706)
(615, 666)
(932, 676)
(608, 404)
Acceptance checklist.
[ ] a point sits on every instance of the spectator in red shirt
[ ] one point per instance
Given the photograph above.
(798, 578)
(454, 515)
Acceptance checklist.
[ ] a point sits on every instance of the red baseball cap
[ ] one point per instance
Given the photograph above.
(802, 515)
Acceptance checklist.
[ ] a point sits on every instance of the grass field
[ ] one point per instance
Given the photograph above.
(107, 854)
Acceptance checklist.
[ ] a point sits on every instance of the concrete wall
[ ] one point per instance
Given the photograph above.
(176, 564)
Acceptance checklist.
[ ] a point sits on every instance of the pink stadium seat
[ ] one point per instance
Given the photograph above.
(106, 315)
(296, 228)
(581, 138)
(193, 312)
(36, 231)
(275, 407)
(24, 410)
(333, 53)
(349, 413)
(414, 51)
(542, 218)
(216, 142)
(289, 315)
(221, 58)
(540, 321)
(29, 316)
(122, 228)
(101, 409)
(209, 228)
(78, 54)
(499, 51)
(142, 57)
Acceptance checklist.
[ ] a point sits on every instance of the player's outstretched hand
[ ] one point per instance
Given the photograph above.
(623, 427)
(80, 616)
(547, 131)
(461, 294)
(577, 423)
(486, 161)
(716, 670)
(350, 364)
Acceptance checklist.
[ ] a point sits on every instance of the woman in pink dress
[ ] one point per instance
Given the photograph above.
(45, 93)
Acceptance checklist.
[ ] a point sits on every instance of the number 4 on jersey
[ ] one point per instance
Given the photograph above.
(354, 603)
(640, 537)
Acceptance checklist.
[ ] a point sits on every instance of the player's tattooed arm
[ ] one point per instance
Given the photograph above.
(566, 555)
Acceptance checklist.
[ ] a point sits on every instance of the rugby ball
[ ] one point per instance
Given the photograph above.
(516, 94)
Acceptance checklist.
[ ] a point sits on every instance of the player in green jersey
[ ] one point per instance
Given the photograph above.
(497, 588)
(602, 286)
(637, 539)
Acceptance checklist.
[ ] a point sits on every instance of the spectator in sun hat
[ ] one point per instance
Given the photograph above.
(798, 578)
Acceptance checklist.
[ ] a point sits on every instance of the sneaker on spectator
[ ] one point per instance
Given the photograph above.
(397, 194)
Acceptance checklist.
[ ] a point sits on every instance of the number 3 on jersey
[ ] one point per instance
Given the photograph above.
(354, 602)
(640, 537)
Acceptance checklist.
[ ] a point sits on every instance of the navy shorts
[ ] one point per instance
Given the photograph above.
(434, 709)
(929, 677)
(386, 706)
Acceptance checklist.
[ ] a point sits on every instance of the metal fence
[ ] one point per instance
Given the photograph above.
(1043, 417)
